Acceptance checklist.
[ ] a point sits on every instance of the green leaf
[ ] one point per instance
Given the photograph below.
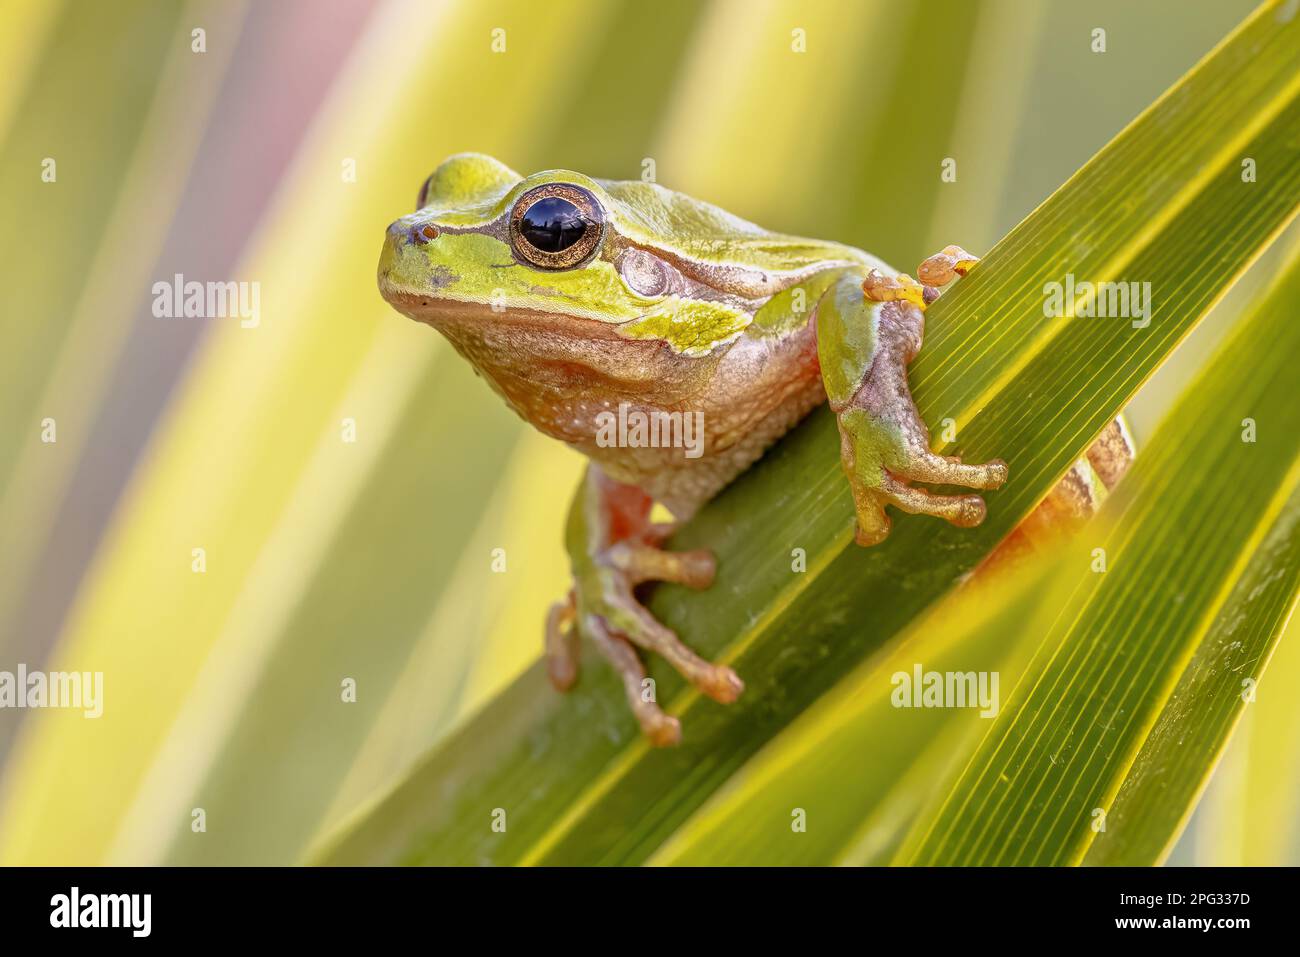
(1139, 677)
(1267, 744)
(856, 765)
(1166, 779)
(577, 782)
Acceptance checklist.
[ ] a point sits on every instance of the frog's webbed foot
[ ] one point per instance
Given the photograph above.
(615, 548)
(885, 445)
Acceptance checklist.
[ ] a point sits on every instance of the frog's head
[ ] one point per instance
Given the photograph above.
(622, 280)
(487, 243)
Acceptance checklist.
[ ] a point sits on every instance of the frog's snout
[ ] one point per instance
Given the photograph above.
(411, 264)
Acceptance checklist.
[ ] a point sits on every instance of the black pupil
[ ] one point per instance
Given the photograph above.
(552, 224)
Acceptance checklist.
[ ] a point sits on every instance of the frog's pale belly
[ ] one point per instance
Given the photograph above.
(758, 392)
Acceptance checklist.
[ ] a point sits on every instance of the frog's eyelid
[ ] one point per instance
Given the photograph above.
(422, 199)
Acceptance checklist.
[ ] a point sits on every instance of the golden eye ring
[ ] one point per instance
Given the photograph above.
(556, 226)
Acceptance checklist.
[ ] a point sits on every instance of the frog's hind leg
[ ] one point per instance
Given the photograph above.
(660, 729)
(1112, 452)
(614, 548)
(1072, 501)
(1080, 492)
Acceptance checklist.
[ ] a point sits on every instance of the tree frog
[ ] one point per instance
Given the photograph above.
(589, 303)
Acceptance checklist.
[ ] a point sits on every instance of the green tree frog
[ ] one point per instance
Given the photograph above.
(587, 302)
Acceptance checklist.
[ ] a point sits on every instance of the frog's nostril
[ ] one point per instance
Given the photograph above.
(424, 234)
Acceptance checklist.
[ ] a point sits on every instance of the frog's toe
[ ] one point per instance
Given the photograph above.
(964, 511)
(943, 267)
(615, 546)
(628, 618)
(562, 645)
(882, 460)
(642, 563)
(662, 730)
(885, 287)
(926, 466)
(873, 524)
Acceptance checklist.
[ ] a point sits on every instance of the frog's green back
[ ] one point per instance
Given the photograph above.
(700, 231)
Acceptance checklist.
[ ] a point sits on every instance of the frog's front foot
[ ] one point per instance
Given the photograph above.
(884, 446)
(615, 547)
(884, 443)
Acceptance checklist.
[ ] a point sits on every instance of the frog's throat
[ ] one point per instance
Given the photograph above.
(560, 374)
(526, 354)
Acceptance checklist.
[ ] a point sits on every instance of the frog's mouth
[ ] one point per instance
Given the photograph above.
(460, 319)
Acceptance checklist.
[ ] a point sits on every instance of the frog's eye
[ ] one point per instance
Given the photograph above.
(556, 226)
